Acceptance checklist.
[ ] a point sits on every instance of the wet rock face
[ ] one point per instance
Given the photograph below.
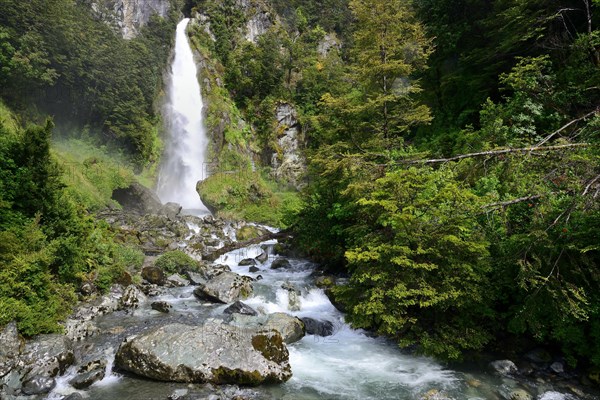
(226, 287)
(287, 162)
(128, 16)
(318, 328)
(214, 352)
(38, 385)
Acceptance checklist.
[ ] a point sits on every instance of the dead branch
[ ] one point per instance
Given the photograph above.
(503, 204)
(562, 128)
(496, 153)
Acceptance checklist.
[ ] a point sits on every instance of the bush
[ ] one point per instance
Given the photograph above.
(176, 262)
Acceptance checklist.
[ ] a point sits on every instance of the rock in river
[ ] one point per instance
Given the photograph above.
(213, 352)
(226, 287)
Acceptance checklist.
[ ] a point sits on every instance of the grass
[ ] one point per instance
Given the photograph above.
(249, 196)
(91, 173)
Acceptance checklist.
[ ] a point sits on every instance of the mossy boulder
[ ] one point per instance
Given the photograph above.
(248, 232)
(214, 352)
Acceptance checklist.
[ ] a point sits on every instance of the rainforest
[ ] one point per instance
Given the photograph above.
(435, 162)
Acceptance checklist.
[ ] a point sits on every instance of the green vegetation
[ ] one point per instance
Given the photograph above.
(58, 57)
(49, 244)
(452, 146)
(248, 196)
(175, 262)
(496, 240)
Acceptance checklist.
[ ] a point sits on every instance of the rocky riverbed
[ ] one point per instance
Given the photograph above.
(254, 323)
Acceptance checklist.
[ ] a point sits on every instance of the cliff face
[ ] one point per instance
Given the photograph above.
(129, 16)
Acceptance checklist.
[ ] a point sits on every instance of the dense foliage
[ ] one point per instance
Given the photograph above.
(57, 56)
(49, 245)
(499, 238)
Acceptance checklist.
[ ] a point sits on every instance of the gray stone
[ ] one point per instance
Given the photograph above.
(74, 396)
(10, 347)
(214, 352)
(262, 257)
(318, 328)
(133, 297)
(137, 198)
(38, 385)
(177, 281)
(171, 210)
(504, 367)
(226, 287)
(161, 306)
(78, 330)
(557, 367)
(290, 328)
(196, 278)
(293, 296)
(253, 269)
(519, 394)
(280, 262)
(128, 17)
(246, 262)
(240, 308)
(328, 43)
(86, 379)
(48, 355)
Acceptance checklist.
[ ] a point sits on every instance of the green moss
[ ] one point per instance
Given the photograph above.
(223, 375)
(270, 345)
(248, 232)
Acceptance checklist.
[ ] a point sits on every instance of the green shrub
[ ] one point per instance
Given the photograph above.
(176, 262)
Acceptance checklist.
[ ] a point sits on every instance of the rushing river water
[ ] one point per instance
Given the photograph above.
(347, 365)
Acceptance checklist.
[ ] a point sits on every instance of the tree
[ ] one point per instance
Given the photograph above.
(389, 47)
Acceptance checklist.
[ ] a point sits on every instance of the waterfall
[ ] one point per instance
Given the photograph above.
(185, 158)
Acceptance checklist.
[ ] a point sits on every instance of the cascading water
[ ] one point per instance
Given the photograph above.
(185, 161)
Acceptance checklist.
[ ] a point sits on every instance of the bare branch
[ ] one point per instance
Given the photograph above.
(503, 204)
(496, 153)
(556, 132)
(589, 185)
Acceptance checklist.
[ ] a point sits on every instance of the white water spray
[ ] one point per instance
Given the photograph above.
(185, 161)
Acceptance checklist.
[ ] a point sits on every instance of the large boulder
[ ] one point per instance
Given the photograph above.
(226, 287)
(138, 198)
(214, 352)
(280, 262)
(504, 367)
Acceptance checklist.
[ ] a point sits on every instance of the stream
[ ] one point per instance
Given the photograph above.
(350, 364)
